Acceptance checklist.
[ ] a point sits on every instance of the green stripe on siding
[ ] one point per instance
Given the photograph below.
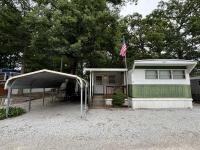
(159, 91)
(160, 67)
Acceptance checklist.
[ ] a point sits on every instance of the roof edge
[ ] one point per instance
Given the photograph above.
(40, 71)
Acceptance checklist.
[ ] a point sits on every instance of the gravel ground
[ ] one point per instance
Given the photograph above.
(58, 126)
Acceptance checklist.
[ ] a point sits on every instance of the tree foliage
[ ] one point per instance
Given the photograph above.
(170, 31)
(88, 33)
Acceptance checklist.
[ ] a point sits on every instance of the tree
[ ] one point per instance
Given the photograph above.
(13, 37)
(182, 43)
(86, 33)
(170, 31)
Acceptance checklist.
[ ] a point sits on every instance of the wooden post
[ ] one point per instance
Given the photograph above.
(106, 92)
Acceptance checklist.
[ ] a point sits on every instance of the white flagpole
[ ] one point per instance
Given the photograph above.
(126, 73)
(126, 78)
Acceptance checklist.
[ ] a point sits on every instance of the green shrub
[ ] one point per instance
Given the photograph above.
(118, 98)
(13, 112)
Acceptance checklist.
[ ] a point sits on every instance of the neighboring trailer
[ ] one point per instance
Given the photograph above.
(5, 74)
(195, 87)
(160, 83)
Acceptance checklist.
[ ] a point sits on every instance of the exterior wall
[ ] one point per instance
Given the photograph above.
(138, 77)
(161, 103)
(195, 88)
(26, 91)
(158, 93)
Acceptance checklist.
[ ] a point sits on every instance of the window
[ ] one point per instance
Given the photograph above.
(111, 79)
(98, 80)
(151, 74)
(164, 74)
(178, 74)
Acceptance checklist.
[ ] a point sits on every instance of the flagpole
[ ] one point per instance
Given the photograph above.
(126, 74)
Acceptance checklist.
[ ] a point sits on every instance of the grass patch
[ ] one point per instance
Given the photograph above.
(13, 112)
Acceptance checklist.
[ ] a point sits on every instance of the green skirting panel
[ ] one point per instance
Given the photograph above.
(159, 91)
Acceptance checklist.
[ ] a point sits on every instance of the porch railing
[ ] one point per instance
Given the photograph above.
(109, 90)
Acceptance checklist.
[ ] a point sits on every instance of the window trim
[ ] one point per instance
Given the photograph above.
(152, 70)
(171, 74)
(96, 80)
(179, 70)
(165, 70)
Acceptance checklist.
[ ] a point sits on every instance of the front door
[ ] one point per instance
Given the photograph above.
(99, 84)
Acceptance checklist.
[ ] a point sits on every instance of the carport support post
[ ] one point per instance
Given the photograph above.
(90, 87)
(29, 106)
(8, 101)
(92, 83)
(43, 96)
(85, 98)
(81, 100)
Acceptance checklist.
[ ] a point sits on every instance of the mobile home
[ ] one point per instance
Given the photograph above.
(152, 83)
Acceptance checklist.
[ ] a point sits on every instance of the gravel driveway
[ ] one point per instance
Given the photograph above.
(58, 126)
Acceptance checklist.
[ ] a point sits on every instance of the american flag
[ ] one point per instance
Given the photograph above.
(123, 49)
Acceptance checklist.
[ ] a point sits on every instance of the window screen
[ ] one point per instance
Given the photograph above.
(178, 74)
(98, 80)
(151, 74)
(164, 74)
(112, 79)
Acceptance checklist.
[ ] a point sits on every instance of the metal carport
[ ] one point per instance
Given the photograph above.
(43, 79)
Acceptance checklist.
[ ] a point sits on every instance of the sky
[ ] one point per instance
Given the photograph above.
(143, 7)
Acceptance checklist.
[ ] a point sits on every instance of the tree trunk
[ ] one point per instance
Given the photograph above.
(74, 67)
(20, 91)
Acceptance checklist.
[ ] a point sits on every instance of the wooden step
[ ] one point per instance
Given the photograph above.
(98, 101)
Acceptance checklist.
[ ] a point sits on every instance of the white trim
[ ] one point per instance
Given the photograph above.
(138, 77)
(171, 74)
(161, 99)
(104, 69)
(157, 103)
(190, 64)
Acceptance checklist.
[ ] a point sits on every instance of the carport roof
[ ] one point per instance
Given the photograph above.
(40, 79)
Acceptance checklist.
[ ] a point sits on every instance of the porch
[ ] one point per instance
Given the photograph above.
(103, 82)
